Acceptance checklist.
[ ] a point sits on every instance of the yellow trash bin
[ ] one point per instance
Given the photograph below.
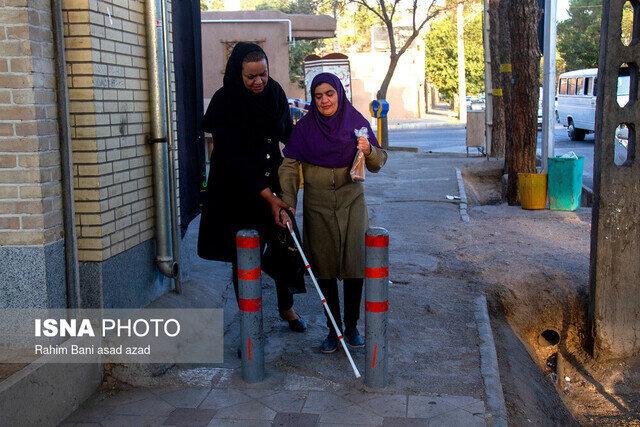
(533, 190)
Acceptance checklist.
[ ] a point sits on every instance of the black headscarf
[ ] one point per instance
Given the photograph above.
(235, 111)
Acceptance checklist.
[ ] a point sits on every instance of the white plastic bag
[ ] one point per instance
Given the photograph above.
(569, 155)
(358, 167)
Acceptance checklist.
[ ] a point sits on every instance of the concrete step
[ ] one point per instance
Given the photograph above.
(44, 394)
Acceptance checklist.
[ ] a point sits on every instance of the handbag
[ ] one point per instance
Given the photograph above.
(281, 260)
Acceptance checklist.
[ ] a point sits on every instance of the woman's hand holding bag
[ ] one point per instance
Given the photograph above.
(364, 145)
(364, 148)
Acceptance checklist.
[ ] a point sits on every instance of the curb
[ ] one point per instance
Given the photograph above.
(587, 197)
(46, 393)
(464, 213)
(405, 149)
(489, 365)
(410, 126)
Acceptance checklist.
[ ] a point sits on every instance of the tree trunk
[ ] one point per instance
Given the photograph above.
(498, 131)
(384, 87)
(523, 108)
(505, 77)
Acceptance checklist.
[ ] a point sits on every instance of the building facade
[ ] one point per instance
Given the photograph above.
(111, 167)
(273, 30)
(79, 185)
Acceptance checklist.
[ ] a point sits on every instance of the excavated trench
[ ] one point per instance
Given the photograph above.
(534, 266)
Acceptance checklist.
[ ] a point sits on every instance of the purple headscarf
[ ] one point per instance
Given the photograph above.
(329, 142)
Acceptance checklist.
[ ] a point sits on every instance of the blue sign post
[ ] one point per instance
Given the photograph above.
(379, 108)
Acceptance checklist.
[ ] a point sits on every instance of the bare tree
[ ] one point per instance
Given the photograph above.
(386, 11)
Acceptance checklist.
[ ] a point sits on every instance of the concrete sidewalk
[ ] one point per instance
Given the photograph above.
(435, 357)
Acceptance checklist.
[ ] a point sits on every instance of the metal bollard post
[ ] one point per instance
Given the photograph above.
(250, 304)
(376, 306)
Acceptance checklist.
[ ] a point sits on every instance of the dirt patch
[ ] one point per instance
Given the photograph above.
(534, 266)
(482, 183)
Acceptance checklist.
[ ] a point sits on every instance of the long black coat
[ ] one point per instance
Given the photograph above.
(247, 130)
(240, 170)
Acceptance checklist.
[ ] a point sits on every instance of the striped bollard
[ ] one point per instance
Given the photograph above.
(250, 305)
(376, 306)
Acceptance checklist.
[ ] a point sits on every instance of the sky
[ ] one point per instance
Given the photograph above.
(562, 9)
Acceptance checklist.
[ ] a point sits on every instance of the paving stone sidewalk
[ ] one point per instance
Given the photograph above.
(434, 361)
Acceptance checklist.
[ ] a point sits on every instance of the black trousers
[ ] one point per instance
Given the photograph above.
(285, 298)
(352, 296)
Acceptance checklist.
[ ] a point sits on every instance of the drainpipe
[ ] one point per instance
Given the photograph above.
(158, 137)
(66, 159)
(175, 239)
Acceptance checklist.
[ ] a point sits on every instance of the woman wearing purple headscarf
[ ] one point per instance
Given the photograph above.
(335, 214)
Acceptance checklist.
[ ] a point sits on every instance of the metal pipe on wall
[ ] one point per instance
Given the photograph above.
(74, 299)
(175, 239)
(158, 136)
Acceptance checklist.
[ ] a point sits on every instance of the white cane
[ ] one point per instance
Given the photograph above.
(324, 301)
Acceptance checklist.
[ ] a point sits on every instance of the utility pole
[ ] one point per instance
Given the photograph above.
(488, 87)
(462, 81)
(549, 83)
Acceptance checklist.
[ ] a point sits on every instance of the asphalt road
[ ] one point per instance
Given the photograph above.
(452, 140)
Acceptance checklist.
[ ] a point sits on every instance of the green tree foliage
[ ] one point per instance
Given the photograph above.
(354, 28)
(627, 23)
(297, 52)
(579, 36)
(442, 54)
(308, 7)
(207, 5)
(299, 49)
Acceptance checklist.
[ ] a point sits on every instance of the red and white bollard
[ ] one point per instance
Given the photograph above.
(376, 306)
(250, 304)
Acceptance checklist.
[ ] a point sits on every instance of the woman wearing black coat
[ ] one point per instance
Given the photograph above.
(248, 118)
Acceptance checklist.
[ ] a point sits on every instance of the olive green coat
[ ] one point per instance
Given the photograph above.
(334, 213)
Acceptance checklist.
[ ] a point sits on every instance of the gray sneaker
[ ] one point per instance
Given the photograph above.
(353, 338)
(330, 344)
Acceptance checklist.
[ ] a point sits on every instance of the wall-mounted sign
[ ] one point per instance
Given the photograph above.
(335, 63)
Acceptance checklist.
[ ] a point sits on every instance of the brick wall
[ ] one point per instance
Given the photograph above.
(30, 203)
(106, 60)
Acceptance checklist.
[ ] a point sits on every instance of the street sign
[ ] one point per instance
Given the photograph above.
(379, 108)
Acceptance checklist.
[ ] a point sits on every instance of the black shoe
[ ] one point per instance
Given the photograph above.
(330, 344)
(296, 325)
(353, 338)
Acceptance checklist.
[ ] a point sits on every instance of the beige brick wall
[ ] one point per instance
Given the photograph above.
(106, 63)
(30, 203)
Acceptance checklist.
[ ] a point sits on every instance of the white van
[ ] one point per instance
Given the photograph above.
(577, 93)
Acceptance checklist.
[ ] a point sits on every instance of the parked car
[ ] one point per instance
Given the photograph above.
(540, 112)
(475, 103)
(540, 109)
(577, 94)
(298, 108)
(621, 144)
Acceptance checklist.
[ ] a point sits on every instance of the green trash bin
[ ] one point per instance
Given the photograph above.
(565, 183)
